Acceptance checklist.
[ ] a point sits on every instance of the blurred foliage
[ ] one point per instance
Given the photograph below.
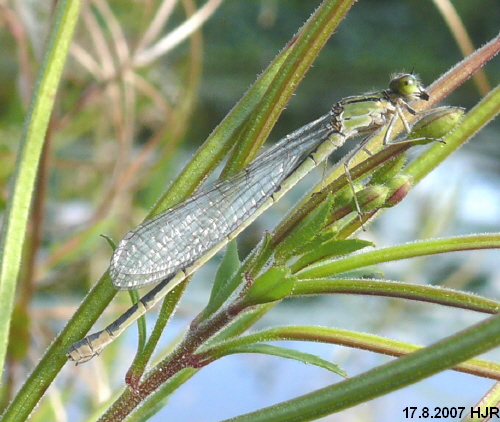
(239, 40)
(94, 180)
(376, 38)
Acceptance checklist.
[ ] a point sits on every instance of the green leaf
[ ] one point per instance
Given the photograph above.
(275, 284)
(225, 281)
(394, 253)
(304, 232)
(110, 241)
(142, 359)
(388, 170)
(368, 271)
(19, 334)
(352, 339)
(15, 222)
(328, 250)
(389, 288)
(284, 352)
(141, 322)
(392, 376)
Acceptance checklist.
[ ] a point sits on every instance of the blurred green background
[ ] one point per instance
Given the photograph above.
(93, 182)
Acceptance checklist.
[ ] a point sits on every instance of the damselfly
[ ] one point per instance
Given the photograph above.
(174, 244)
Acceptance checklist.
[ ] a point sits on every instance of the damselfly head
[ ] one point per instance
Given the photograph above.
(408, 86)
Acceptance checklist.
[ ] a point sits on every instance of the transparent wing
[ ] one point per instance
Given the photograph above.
(176, 238)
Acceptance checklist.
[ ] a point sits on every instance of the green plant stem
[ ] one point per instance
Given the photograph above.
(179, 360)
(387, 288)
(297, 58)
(347, 338)
(394, 253)
(473, 121)
(304, 48)
(143, 355)
(155, 379)
(101, 294)
(155, 400)
(488, 401)
(44, 94)
(386, 378)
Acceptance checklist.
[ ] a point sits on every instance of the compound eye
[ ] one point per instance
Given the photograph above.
(406, 85)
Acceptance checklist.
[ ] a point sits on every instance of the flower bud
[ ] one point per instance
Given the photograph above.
(436, 123)
(398, 187)
(372, 197)
(388, 170)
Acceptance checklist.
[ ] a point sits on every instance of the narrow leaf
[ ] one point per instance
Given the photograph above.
(274, 284)
(303, 232)
(225, 277)
(329, 250)
(284, 352)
